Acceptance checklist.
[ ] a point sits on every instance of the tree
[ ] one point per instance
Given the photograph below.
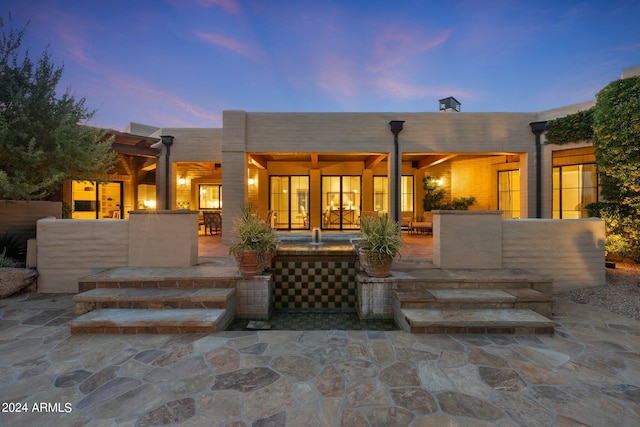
(616, 136)
(44, 139)
(613, 125)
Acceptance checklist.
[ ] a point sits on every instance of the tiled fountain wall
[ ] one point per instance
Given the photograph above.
(309, 276)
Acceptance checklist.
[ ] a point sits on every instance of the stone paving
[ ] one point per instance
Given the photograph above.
(588, 373)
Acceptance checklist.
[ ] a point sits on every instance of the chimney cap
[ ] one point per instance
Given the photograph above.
(449, 104)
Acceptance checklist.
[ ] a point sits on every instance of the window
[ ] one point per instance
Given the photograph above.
(406, 193)
(574, 187)
(509, 193)
(91, 200)
(210, 196)
(381, 194)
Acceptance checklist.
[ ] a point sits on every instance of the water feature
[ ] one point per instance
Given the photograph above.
(315, 272)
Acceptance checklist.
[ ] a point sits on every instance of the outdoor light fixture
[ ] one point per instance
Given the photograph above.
(396, 127)
(182, 181)
(167, 141)
(251, 181)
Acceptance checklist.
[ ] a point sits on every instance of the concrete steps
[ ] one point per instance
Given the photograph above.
(474, 321)
(474, 301)
(153, 298)
(151, 321)
(154, 301)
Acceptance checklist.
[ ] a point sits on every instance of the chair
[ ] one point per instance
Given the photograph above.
(212, 221)
(268, 218)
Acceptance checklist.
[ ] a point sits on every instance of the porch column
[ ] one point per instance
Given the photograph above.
(234, 169)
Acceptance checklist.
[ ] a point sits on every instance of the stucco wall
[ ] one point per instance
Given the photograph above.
(163, 238)
(19, 217)
(570, 251)
(68, 249)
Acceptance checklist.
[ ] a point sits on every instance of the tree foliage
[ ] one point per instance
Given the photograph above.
(616, 131)
(43, 136)
(570, 128)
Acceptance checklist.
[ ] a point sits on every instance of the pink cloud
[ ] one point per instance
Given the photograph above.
(230, 6)
(338, 75)
(230, 44)
(131, 90)
(394, 47)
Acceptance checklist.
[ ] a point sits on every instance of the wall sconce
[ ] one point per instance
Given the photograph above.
(439, 181)
(182, 181)
(252, 181)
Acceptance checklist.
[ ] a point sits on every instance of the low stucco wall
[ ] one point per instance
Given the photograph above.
(68, 249)
(163, 238)
(19, 217)
(467, 239)
(570, 251)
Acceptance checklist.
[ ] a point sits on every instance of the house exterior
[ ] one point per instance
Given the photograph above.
(307, 170)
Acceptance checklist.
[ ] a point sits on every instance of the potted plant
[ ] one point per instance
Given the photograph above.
(380, 244)
(255, 242)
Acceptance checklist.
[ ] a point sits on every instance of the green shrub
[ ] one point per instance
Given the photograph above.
(13, 246)
(6, 262)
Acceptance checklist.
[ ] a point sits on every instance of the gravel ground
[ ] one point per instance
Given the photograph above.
(620, 295)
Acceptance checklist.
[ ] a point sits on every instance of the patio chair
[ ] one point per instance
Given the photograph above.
(212, 221)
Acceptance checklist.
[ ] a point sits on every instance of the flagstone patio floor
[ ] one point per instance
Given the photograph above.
(588, 373)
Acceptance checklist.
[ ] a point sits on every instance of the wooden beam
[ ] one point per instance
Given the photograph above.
(135, 150)
(315, 160)
(148, 164)
(258, 161)
(513, 158)
(373, 160)
(434, 159)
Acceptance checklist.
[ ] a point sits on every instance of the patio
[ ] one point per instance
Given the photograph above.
(588, 373)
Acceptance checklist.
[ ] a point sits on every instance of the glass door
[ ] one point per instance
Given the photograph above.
(96, 201)
(341, 202)
(110, 200)
(289, 201)
(509, 193)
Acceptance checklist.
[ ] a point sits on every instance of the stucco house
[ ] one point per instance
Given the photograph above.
(324, 170)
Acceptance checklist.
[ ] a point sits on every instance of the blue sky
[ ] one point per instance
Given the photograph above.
(180, 63)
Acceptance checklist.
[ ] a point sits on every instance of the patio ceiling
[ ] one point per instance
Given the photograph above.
(418, 160)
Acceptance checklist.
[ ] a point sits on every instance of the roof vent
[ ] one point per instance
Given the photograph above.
(449, 104)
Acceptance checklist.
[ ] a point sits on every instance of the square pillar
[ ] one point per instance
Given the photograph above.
(467, 239)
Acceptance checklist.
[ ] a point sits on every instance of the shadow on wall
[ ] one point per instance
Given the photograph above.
(591, 257)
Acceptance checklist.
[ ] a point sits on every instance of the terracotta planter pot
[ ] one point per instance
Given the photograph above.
(248, 263)
(382, 269)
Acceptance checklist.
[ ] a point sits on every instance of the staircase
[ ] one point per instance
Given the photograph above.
(505, 301)
(153, 301)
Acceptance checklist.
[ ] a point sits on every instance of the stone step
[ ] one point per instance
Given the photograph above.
(154, 298)
(472, 279)
(152, 321)
(161, 277)
(473, 321)
(474, 298)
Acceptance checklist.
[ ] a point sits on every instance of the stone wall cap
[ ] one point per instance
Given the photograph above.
(460, 212)
(163, 212)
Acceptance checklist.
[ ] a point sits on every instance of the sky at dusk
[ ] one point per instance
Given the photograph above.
(180, 63)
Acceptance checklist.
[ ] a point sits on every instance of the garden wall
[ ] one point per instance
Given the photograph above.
(68, 249)
(19, 217)
(569, 251)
